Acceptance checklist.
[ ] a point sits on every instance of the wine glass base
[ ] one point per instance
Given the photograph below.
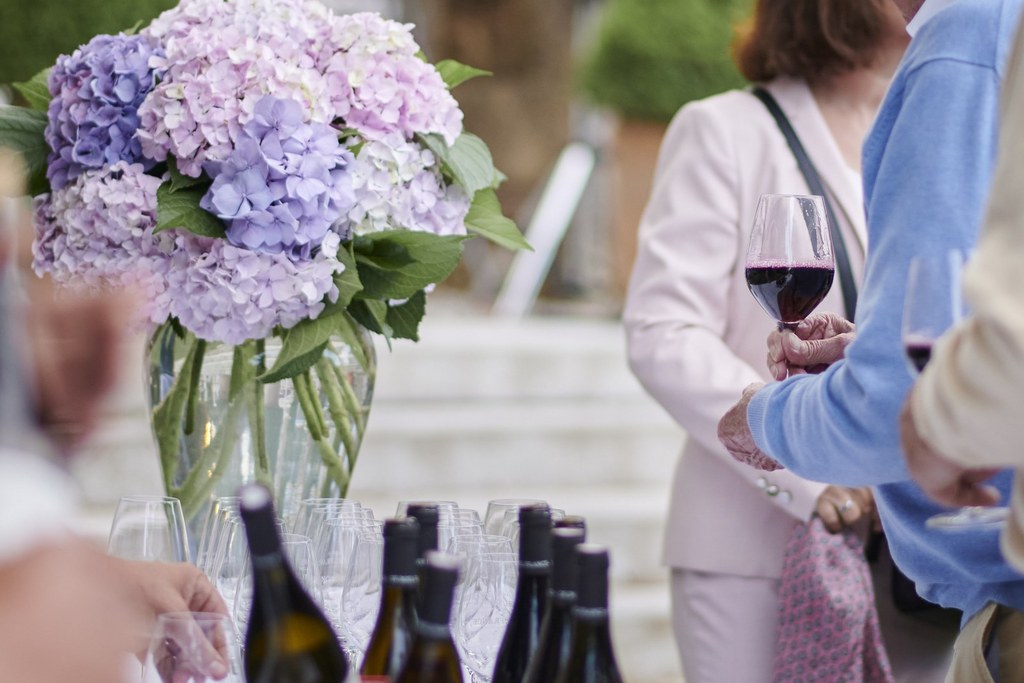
(968, 518)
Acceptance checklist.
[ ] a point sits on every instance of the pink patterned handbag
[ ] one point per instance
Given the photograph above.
(828, 626)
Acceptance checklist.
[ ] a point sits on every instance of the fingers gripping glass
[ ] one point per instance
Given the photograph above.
(932, 305)
(789, 265)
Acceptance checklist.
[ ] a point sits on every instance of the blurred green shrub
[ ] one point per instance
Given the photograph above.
(649, 57)
(34, 32)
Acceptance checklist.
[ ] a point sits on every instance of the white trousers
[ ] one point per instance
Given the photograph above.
(725, 626)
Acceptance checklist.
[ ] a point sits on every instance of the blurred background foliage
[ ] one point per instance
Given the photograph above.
(649, 57)
(34, 32)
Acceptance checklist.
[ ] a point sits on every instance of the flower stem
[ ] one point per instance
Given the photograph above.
(335, 405)
(310, 404)
(211, 465)
(257, 417)
(193, 386)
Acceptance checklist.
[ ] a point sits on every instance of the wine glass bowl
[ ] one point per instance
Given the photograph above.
(192, 647)
(789, 264)
(149, 528)
(932, 304)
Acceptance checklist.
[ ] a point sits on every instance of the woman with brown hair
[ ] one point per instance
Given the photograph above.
(696, 336)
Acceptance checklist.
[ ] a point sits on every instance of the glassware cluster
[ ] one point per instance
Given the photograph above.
(339, 553)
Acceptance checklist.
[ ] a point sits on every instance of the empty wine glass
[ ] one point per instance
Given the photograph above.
(314, 511)
(789, 265)
(360, 599)
(221, 511)
(446, 509)
(482, 609)
(494, 516)
(150, 528)
(335, 546)
(192, 647)
(932, 305)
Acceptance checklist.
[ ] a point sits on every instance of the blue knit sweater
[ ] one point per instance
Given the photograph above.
(927, 165)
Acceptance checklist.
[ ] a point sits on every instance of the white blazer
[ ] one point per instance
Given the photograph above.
(695, 335)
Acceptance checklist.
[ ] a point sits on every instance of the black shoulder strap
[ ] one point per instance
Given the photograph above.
(846, 280)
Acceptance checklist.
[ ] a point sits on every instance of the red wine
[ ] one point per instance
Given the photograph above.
(789, 292)
(919, 352)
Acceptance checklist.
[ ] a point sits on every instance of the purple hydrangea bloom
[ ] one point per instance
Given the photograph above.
(97, 232)
(225, 293)
(93, 116)
(221, 59)
(284, 185)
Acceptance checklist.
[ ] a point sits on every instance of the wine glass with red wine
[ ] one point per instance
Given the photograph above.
(789, 265)
(932, 304)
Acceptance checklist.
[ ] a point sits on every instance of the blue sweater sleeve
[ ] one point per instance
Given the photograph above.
(928, 162)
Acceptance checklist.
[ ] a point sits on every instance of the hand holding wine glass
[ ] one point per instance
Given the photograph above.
(789, 265)
(932, 305)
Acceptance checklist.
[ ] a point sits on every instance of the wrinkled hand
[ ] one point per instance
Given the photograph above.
(943, 481)
(734, 433)
(840, 507)
(814, 344)
(176, 587)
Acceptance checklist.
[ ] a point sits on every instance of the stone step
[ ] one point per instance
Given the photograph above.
(515, 442)
(497, 358)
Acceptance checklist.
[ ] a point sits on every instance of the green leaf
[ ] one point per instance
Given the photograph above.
(167, 415)
(21, 130)
(347, 282)
(398, 263)
(373, 316)
(455, 73)
(134, 28)
(36, 90)
(485, 219)
(181, 210)
(468, 161)
(179, 181)
(404, 319)
(301, 349)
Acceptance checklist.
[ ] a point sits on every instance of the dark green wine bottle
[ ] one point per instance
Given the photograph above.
(556, 629)
(427, 515)
(433, 657)
(396, 621)
(523, 630)
(591, 655)
(288, 640)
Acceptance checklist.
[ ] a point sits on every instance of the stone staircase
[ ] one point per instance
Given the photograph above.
(485, 408)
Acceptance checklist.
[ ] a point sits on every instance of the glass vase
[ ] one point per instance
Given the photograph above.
(218, 424)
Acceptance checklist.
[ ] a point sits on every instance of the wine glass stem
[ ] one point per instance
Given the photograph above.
(787, 326)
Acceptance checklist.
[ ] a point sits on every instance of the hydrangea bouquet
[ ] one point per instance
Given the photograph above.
(257, 169)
